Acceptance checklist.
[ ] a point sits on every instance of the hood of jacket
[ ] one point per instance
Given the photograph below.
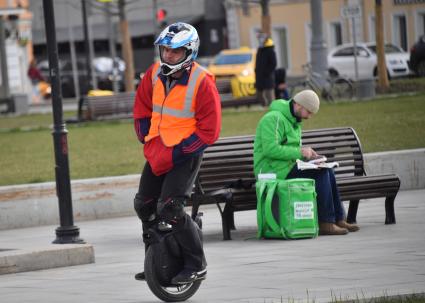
(283, 107)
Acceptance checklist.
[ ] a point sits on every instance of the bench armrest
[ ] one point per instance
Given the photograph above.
(225, 193)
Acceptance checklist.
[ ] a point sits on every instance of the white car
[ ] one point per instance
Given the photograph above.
(341, 61)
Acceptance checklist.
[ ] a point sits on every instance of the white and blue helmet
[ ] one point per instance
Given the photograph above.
(178, 35)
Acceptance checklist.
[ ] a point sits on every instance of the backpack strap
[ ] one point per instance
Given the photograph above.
(270, 220)
(260, 188)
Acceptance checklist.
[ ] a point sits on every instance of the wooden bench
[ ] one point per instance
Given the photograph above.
(114, 106)
(121, 106)
(226, 175)
(223, 85)
(243, 101)
(7, 103)
(227, 100)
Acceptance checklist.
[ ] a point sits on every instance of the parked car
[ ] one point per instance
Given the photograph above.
(105, 72)
(341, 61)
(102, 67)
(234, 70)
(417, 57)
(233, 62)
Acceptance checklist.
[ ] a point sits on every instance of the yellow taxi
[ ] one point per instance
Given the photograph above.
(234, 70)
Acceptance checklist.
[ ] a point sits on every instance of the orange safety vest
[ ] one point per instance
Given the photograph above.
(173, 116)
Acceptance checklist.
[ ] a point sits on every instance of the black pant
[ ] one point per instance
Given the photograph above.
(176, 184)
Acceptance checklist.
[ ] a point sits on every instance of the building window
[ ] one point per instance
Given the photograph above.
(308, 35)
(420, 24)
(335, 34)
(372, 30)
(423, 23)
(400, 31)
(282, 47)
(214, 36)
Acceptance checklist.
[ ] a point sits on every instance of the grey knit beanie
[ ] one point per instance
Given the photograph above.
(308, 99)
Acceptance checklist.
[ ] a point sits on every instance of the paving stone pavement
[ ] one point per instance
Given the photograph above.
(378, 260)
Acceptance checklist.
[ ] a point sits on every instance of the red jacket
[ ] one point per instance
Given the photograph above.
(208, 123)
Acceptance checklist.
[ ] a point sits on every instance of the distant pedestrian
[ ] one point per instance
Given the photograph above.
(35, 77)
(264, 70)
(281, 91)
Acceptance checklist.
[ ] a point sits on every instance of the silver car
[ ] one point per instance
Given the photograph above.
(341, 61)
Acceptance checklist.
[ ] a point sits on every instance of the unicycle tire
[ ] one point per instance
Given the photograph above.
(169, 293)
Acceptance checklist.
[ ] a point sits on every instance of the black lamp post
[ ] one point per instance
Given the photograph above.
(67, 232)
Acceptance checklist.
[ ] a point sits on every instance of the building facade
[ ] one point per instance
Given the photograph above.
(220, 23)
(15, 48)
(206, 15)
(404, 23)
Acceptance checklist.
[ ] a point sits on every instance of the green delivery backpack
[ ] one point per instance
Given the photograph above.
(286, 209)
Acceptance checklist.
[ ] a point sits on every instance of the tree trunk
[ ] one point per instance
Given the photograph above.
(127, 50)
(265, 18)
(383, 83)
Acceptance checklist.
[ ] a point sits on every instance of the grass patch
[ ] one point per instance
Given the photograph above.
(382, 124)
(110, 148)
(406, 298)
(27, 122)
(409, 298)
(97, 149)
(403, 85)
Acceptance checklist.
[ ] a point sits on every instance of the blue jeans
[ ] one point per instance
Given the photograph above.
(329, 206)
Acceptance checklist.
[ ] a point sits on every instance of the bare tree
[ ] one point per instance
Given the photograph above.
(127, 49)
(265, 17)
(383, 82)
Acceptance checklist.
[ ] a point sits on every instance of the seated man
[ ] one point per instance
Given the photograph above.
(277, 146)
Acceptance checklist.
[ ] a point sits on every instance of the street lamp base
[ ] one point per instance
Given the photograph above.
(68, 235)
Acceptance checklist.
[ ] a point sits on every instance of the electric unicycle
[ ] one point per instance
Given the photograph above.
(163, 261)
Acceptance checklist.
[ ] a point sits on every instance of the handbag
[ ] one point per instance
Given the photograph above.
(286, 209)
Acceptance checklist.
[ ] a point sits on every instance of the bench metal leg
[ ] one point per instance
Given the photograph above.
(352, 211)
(224, 221)
(389, 210)
(227, 220)
(232, 220)
(195, 208)
(226, 227)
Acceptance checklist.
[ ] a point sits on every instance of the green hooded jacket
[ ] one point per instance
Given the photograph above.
(277, 143)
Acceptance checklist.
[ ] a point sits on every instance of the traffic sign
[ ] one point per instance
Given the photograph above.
(351, 11)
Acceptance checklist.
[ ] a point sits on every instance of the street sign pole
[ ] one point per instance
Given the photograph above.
(356, 66)
(352, 12)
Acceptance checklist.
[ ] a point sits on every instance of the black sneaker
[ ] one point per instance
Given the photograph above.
(188, 276)
(140, 276)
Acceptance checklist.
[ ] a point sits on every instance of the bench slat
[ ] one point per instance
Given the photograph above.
(106, 106)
